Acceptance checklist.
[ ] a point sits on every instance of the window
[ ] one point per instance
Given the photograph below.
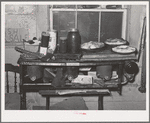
(94, 24)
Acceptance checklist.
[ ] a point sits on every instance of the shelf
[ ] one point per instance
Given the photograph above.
(35, 87)
(112, 84)
(94, 62)
(26, 84)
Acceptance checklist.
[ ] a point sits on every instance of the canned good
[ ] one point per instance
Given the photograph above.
(45, 40)
(42, 34)
(52, 41)
(44, 44)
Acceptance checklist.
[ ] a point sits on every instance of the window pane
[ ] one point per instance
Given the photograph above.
(111, 25)
(64, 6)
(63, 21)
(88, 24)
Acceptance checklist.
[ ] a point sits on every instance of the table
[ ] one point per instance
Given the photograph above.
(104, 57)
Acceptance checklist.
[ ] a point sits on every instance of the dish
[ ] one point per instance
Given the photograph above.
(92, 45)
(115, 41)
(92, 50)
(124, 49)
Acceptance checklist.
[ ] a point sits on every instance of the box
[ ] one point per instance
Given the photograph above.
(83, 79)
(31, 47)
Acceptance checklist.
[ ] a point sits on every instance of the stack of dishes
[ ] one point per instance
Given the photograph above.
(119, 46)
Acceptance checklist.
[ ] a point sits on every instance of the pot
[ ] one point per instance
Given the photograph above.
(104, 72)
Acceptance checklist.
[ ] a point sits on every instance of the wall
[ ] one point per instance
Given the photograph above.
(22, 22)
(131, 98)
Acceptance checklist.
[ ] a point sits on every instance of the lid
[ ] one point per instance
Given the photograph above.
(63, 38)
(73, 30)
(131, 68)
(46, 34)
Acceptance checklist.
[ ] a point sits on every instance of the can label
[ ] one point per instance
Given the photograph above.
(52, 41)
(43, 50)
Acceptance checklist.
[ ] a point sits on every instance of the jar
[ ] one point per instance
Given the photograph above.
(63, 45)
(73, 41)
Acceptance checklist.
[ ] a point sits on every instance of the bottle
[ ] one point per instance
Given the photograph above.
(73, 41)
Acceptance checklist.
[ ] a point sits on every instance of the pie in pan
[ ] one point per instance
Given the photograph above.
(124, 49)
(92, 45)
(115, 41)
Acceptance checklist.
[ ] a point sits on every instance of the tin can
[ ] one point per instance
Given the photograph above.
(42, 34)
(63, 45)
(44, 44)
(52, 41)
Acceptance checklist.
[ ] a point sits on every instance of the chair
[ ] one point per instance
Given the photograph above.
(12, 100)
(11, 68)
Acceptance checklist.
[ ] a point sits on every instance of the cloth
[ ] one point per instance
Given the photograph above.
(60, 78)
(72, 103)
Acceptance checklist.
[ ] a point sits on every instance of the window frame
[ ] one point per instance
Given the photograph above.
(123, 10)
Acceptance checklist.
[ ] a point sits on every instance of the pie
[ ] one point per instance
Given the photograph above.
(124, 49)
(92, 45)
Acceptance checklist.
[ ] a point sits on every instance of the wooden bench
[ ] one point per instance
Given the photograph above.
(75, 92)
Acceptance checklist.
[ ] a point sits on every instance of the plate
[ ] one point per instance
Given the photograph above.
(92, 50)
(124, 49)
(115, 41)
